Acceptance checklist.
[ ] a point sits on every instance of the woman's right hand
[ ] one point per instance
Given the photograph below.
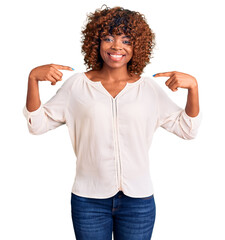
(48, 72)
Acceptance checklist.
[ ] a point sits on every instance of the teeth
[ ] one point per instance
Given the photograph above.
(116, 56)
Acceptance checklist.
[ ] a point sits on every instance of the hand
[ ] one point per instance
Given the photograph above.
(178, 79)
(48, 72)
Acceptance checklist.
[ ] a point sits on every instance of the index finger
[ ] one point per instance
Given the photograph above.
(163, 74)
(62, 67)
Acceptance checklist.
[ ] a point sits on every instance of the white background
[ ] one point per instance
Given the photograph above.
(37, 172)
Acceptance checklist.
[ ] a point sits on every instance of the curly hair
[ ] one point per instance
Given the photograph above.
(116, 21)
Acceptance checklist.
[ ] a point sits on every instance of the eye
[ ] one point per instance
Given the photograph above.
(126, 42)
(107, 39)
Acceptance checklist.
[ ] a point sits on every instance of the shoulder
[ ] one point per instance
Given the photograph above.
(149, 80)
(90, 73)
(93, 75)
(70, 81)
(135, 78)
(152, 83)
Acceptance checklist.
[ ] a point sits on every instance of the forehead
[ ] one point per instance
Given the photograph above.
(118, 36)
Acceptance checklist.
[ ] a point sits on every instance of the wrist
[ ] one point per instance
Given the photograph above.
(32, 78)
(194, 86)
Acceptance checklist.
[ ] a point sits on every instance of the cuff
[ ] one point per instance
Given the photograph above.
(195, 121)
(196, 117)
(28, 114)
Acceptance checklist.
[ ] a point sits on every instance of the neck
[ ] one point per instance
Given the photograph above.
(114, 74)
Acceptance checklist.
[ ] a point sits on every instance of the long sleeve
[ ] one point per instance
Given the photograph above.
(111, 136)
(174, 118)
(52, 114)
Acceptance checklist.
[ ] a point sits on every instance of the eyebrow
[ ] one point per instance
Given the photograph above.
(122, 37)
(126, 37)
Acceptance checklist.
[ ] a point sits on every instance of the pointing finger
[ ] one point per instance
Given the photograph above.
(163, 74)
(61, 67)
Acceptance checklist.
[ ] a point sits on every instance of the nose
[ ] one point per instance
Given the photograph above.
(116, 45)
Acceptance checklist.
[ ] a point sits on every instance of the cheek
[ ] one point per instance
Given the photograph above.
(130, 49)
(102, 50)
(131, 52)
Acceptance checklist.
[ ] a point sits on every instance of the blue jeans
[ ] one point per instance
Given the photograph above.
(126, 217)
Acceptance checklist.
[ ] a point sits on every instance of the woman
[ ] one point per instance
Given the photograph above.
(112, 113)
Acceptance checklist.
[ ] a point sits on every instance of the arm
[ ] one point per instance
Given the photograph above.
(192, 105)
(33, 101)
(42, 118)
(47, 72)
(183, 80)
(182, 122)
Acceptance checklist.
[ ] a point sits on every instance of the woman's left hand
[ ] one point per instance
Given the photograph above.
(178, 79)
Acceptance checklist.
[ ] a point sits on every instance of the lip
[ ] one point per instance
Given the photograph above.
(115, 53)
(113, 57)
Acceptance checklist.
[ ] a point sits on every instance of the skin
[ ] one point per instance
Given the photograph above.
(113, 75)
(114, 72)
(47, 72)
(182, 80)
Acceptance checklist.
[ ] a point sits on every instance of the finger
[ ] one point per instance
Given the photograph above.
(57, 76)
(175, 89)
(169, 81)
(164, 74)
(53, 75)
(61, 67)
(52, 80)
(174, 86)
(55, 71)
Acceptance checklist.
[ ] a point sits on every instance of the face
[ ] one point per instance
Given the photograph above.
(116, 50)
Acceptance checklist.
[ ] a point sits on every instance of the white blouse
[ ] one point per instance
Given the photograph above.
(111, 137)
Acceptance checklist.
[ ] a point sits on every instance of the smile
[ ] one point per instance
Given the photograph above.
(116, 57)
